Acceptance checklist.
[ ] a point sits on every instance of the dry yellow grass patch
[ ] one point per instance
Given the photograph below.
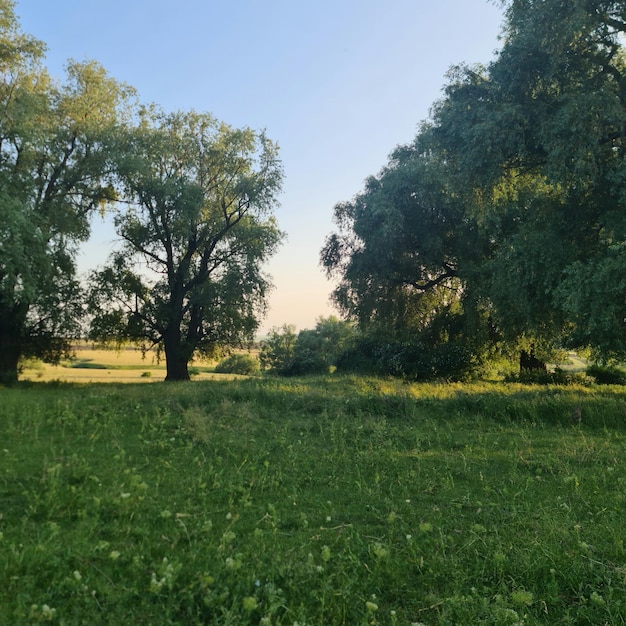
(96, 365)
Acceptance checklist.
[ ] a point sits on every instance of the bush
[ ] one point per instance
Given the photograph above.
(311, 351)
(244, 364)
(607, 375)
(413, 360)
(541, 377)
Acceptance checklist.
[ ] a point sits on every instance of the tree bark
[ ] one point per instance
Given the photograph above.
(10, 352)
(176, 358)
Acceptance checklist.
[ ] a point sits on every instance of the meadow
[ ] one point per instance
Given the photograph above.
(322, 501)
(93, 364)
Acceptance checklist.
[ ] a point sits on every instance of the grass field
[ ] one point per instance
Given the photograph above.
(95, 365)
(324, 501)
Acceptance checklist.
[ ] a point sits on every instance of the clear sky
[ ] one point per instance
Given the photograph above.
(337, 83)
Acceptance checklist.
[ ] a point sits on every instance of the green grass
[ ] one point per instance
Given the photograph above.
(323, 501)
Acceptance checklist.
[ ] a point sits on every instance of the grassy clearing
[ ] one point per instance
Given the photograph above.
(323, 501)
(94, 365)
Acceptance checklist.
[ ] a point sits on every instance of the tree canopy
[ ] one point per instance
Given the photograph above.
(311, 351)
(53, 174)
(197, 229)
(193, 200)
(509, 204)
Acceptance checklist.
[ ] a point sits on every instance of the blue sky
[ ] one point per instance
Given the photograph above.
(337, 83)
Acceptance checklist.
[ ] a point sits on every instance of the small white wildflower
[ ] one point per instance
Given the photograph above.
(597, 599)
(77, 575)
(114, 555)
(325, 554)
(155, 583)
(232, 564)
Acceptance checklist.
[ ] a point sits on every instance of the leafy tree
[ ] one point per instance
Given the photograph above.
(511, 201)
(395, 243)
(311, 351)
(405, 253)
(539, 135)
(277, 349)
(316, 350)
(53, 174)
(198, 227)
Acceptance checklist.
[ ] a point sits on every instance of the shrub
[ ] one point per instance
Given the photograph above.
(311, 351)
(541, 377)
(607, 375)
(278, 348)
(413, 360)
(245, 364)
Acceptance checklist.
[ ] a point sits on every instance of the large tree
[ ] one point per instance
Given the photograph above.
(398, 243)
(197, 229)
(52, 175)
(528, 159)
(541, 134)
(405, 256)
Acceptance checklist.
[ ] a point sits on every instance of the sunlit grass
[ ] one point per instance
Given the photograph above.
(90, 364)
(337, 500)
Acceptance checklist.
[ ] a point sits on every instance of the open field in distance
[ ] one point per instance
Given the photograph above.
(98, 365)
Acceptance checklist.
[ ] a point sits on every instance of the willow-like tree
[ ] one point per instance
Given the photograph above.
(53, 174)
(515, 190)
(540, 136)
(188, 278)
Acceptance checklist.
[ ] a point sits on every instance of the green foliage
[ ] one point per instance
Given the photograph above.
(396, 253)
(325, 500)
(245, 364)
(547, 166)
(511, 198)
(53, 175)
(410, 359)
(311, 351)
(607, 375)
(200, 196)
(556, 377)
(277, 349)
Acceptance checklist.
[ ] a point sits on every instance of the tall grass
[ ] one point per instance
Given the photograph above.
(322, 501)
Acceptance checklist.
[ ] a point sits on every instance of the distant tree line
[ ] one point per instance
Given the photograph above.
(503, 223)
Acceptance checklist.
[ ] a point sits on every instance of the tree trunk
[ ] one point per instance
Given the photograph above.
(176, 358)
(10, 352)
